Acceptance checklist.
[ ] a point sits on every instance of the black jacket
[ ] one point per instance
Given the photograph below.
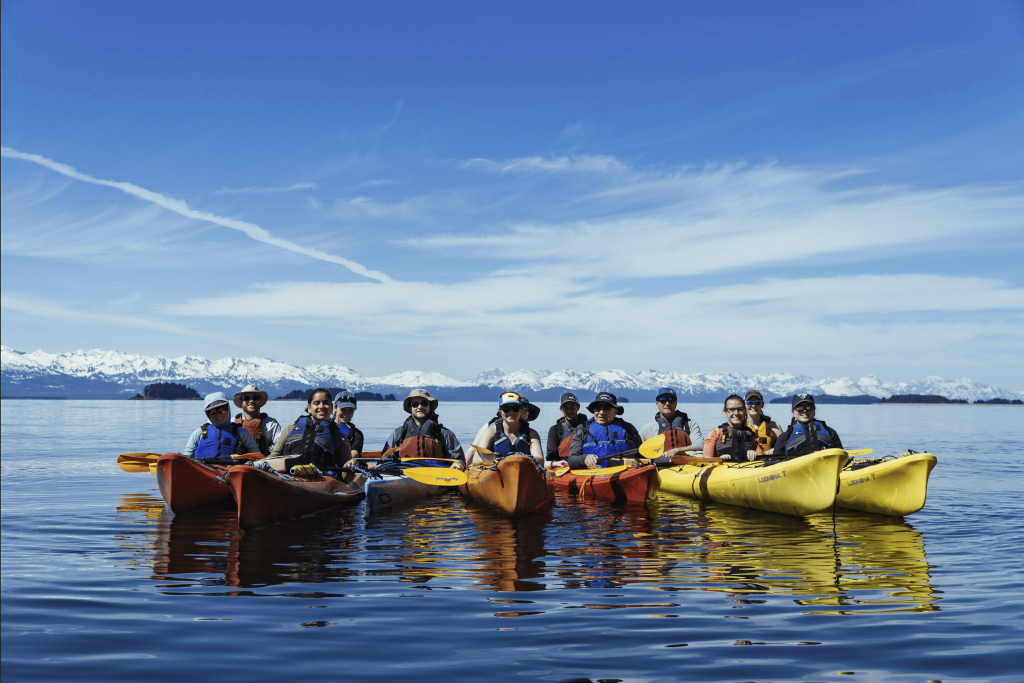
(558, 432)
(810, 445)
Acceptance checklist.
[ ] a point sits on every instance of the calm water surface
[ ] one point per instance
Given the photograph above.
(100, 582)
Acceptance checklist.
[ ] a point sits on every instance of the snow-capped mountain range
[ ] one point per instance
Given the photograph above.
(113, 374)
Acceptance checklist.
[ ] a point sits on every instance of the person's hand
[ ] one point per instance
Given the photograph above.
(769, 451)
(372, 466)
(458, 466)
(751, 455)
(590, 461)
(675, 451)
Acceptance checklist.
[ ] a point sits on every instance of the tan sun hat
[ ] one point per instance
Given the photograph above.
(251, 389)
(418, 393)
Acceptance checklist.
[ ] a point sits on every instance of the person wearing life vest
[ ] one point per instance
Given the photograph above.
(563, 429)
(733, 439)
(315, 439)
(671, 422)
(423, 421)
(219, 438)
(264, 429)
(806, 434)
(767, 431)
(344, 410)
(604, 434)
(510, 435)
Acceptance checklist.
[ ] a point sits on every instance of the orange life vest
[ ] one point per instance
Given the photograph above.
(255, 427)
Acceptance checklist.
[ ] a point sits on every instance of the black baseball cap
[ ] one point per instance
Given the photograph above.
(568, 398)
(802, 398)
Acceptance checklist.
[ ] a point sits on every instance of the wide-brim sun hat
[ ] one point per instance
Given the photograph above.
(605, 397)
(418, 393)
(250, 389)
(215, 399)
(532, 411)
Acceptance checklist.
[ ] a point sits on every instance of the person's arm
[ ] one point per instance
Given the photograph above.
(246, 442)
(535, 448)
(278, 448)
(454, 449)
(342, 450)
(835, 438)
(780, 443)
(356, 442)
(649, 430)
(634, 435)
(484, 439)
(708, 444)
(576, 459)
(190, 446)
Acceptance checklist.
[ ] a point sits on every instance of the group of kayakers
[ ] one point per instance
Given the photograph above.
(325, 436)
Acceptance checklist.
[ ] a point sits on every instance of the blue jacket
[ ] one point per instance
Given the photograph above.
(801, 440)
(592, 438)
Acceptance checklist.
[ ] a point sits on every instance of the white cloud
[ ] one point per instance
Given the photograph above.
(178, 206)
(266, 190)
(598, 164)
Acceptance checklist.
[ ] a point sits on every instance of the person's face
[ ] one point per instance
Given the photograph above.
(736, 412)
(754, 407)
(250, 404)
(218, 414)
(320, 406)
(804, 413)
(510, 414)
(570, 410)
(667, 406)
(345, 415)
(604, 413)
(420, 408)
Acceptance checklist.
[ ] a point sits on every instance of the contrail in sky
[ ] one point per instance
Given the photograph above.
(177, 206)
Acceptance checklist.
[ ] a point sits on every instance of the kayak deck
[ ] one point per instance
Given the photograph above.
(394, 489)
(187, 484)
(514, 486)
(800, 486)
(264, 498)
(889, 486)
(631, 485)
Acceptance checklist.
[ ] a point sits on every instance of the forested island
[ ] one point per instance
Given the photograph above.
(863, 399)
(167, 391)
(303, 394)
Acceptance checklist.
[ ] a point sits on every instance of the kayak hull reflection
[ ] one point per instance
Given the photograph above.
(892, 487)
(802, 486)
(392, 490)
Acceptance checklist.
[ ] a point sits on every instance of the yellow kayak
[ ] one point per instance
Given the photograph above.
(802, 486)
(887, 486)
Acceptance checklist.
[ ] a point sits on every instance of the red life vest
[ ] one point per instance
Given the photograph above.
(255, 427)
(676, 438)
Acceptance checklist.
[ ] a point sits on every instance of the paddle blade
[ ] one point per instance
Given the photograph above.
(653, 447)
(438, 476)
(149, 457)
(134, 466)
(862, 451)
(481, 450)
(152, 468)
(415, 460)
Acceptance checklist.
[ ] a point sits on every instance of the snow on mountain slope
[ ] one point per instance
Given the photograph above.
(54, 372)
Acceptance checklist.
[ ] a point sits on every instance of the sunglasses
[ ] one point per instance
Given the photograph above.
(600, 408)
(741, 409)
(509, 409)
(419, 404)
(754, 402)
(804, 408)
(667, 399)
(218, 409)
(247, 399)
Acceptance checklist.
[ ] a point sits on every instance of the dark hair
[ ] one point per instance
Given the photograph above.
(731, 397)
(316, 391)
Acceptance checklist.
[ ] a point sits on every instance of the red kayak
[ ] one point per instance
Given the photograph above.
(264, 498)
(632, 485)
(187, 484)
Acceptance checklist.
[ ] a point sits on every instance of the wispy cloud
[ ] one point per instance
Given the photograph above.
(581, 164)
(178, 206)
(398, 112)
(266, 190)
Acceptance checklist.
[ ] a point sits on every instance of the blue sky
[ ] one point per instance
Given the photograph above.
(816, 188)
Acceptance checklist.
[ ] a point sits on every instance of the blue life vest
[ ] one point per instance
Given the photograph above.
(344, 429)
(314, 441)
(504, 446)
(680, 421)
(814, 432)
(604, 440)
(217, 442)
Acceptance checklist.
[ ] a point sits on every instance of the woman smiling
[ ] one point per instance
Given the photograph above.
(314, 437)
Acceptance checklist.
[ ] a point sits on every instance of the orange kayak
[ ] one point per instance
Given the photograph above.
(514, 486)
(264, 498)
(187, 484)
(633, 485)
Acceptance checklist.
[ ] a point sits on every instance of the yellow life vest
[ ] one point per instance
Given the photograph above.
(764, 433)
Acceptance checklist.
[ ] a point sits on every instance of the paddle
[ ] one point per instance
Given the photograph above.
(248, 456)
(438, 476)
(861, 451)
(134, 466)
(139, 457)
(593, 473)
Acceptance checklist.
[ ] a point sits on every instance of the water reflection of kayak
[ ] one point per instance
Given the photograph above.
(886, 486)
(392, 490)
(264, 498)
(514, 486)
(187, 484)
(621, 485)
(801, 486)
